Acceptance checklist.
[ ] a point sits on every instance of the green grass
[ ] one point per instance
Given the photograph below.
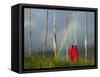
(37, 61)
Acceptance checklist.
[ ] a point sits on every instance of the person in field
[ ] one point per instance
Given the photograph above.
(74, 54)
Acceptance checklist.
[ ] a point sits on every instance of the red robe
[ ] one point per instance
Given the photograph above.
(74, 54)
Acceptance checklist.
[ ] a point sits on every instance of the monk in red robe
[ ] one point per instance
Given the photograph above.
(74, 54)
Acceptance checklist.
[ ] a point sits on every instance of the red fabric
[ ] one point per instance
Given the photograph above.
(74, 54)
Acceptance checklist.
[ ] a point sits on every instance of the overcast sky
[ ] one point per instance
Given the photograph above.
(38, 27)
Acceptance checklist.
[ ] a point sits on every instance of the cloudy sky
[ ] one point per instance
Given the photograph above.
(38, 27)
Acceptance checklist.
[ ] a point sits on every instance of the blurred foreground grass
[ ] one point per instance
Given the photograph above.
(37, 61)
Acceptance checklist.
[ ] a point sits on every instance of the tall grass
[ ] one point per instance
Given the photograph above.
(37, 61)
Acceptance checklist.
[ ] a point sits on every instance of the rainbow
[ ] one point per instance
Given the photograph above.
(61, 47)
(64, 40)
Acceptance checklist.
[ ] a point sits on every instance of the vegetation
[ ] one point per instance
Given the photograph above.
(37, 61)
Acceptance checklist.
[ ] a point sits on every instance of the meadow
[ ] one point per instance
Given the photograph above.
(37, 61)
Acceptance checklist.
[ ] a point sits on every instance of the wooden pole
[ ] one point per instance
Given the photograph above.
(46, 32)
(67, 38)
(54, 37)
(74, 28)
(86, 38)
(30, 39)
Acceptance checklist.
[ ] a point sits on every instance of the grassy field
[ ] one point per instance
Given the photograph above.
(37, 61)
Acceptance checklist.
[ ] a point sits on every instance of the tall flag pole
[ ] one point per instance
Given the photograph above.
(67, 37)
(30, 35)
(46, 32)
(54, 36)
(85, 37)
(74, 28)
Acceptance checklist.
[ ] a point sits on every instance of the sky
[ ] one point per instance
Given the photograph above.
(38, 27)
